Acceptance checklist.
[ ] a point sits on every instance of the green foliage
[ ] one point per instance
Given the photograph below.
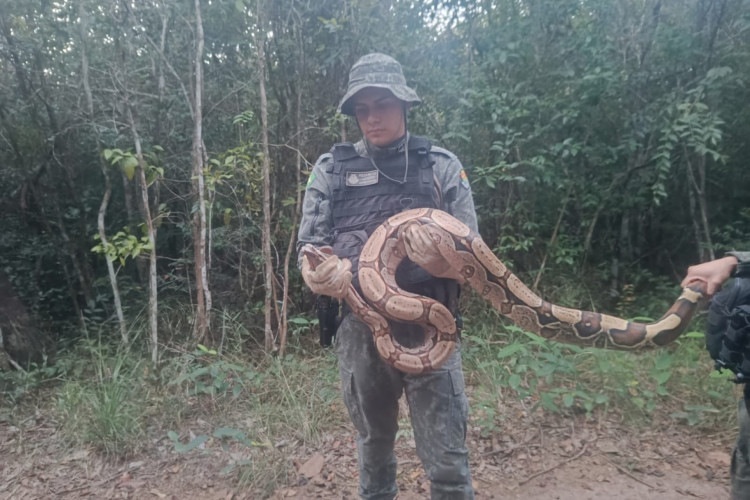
(206, 373)
(14, 385)
(586, 112)
(103, 404)
(589, 112)
(122, 245)
(280, 400)
(507, 362)
(127, 161)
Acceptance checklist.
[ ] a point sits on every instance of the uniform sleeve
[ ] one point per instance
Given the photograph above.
(741, 256)
(457, 198)
(317, 220)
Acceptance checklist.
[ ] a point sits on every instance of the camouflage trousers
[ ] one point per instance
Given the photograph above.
(438, 408)
(740, 471)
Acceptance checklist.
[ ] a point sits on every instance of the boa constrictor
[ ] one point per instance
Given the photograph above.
(488, 276)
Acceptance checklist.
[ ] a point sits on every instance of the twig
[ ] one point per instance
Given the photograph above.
(511, 449)
(15, 365)
(88, 485)
(624, 471)
(548, 469)
(11, 361)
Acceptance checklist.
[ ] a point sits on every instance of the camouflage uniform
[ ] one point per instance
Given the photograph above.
(740, 469)
(371, 388)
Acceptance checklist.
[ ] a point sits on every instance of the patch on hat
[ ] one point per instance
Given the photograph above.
(464, 179)
(310, 180)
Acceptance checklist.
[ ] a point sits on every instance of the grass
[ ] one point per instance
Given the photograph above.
(501, 361)
(110, 398)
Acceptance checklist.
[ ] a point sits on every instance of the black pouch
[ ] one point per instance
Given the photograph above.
(327, 309)
(728, 332)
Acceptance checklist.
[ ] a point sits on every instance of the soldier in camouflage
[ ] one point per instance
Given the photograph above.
(350, 192)
(714, 274)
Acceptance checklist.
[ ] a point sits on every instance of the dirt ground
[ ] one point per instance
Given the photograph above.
(536, 456)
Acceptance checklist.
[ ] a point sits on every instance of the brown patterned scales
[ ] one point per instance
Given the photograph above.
(488, 276)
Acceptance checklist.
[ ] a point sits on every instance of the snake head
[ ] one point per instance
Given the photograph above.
(316, 255)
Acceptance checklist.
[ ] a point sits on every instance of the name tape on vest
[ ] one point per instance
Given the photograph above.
(362, 178)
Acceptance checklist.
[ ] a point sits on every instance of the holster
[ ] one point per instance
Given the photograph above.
(327, 309)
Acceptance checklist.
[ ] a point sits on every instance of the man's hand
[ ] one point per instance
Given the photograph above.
(713, 273)
(423, 251)
(332, 277)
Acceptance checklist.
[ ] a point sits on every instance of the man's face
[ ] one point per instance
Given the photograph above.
(380, 115)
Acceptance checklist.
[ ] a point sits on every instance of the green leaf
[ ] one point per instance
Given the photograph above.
(193, 444)
(664, 361)
(514, 381)
(299, 321)
(510, 350)
(128, 165)
(662, 377)
(568, 400)
(229, 432)
(548, 402)
(205, 349)
(694, 335)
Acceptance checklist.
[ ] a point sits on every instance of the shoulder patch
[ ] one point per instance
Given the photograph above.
(310, 180)
(464, 179)
(323, 161)
(443, 152)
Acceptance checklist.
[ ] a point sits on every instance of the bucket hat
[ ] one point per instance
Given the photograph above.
(377, 70)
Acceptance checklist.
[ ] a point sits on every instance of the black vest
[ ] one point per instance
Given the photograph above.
(363, 197)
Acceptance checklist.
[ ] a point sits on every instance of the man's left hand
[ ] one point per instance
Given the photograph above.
(423, 250)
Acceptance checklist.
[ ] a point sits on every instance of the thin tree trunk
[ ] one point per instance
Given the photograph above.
(108, 181)
(152, 295)
(552, 238)
(284, 326)
(693, 213)
(266, 250)
(698, 187)
(161, 85)
(203, 294)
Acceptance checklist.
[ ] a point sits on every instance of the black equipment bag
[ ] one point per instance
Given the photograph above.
(728, 331)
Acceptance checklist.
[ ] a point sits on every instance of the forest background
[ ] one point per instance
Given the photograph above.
(153, 155)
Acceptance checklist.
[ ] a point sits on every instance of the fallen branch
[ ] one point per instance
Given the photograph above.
(625, 471)
(548, 469)
(88, 485)
(511, 449)
(8, 357)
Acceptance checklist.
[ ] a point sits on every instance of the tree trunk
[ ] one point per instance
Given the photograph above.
(266, 250)
(552, 238)
(143, 186)
(108, 181)
(203, 294)
(284, 326)
(698, 208)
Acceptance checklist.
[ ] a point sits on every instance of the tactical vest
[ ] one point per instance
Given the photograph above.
(363, 197)
(728, 329)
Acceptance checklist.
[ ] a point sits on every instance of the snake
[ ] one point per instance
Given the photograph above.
(382, 299)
